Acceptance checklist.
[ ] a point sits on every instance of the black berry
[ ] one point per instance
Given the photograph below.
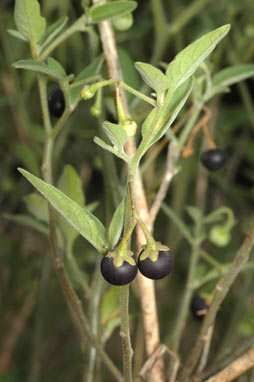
(156, 269)
(198, 307)
(214, 159)
(56, 103)
(117, 275)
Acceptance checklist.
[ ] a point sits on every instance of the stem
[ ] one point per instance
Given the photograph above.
(182, 316)
(235, 369)
(222, 290)
(188, 127)
(96, 291)
(125, 333)
(187, 296)
(39, 319)
(137, 93)
(76, 27)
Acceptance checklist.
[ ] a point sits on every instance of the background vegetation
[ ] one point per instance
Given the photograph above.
(37, 338)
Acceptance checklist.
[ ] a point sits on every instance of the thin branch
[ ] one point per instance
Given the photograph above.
(170, 172)
(149, 364)
(239, 349)
(206, 349)
(125, 333)
(235, 369)
(222, 290)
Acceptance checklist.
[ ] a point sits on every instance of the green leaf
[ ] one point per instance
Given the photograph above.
(17, 34)
(109, 148)
(52, 31)
(152, 76)
(130, 75)
(28, 221)
(118, 138)
(116, 134)
(173, 108)
(148, 121)
(110, 310)
(71, 185)
(29, 21)
(116, 225)
(83, 221)
(37, 206)
(232, 75)
(111, 10)
(187, 61)
(56, 66)
(51, 70)
(28, 157)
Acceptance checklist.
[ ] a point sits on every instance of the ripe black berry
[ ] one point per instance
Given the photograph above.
(198, 307)
(117, 275)
(56, 102)
(214, 159)
(156, 269)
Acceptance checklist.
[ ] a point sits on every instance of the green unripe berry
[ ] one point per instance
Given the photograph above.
(124, 22)
(219, 236)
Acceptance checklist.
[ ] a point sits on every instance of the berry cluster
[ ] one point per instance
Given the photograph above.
(125, 273)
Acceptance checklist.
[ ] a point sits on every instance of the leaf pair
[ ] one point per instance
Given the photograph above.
(184, 64)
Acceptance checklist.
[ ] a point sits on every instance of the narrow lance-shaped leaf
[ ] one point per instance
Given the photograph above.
(41, 67)
(28, 221)
(173, 108)
(111, 10)
(53, 30)
(187, 61)
(37, 206)
(29, 21)
(71, 184)
(83, 221)
(116, 134)
(17, 34)
(116, 225)
(232, 75)
(152, 76)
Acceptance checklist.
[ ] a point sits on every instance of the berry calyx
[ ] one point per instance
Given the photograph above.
(157, 269)
(198, 307)
(116, 274)
(56, 102)
(214, 159)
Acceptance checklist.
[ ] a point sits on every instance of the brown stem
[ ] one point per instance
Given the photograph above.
(235, 369)
(170, 172)
(188, 150)
(147, 292)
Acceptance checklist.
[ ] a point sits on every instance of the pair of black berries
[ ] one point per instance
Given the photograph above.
(126, 272)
